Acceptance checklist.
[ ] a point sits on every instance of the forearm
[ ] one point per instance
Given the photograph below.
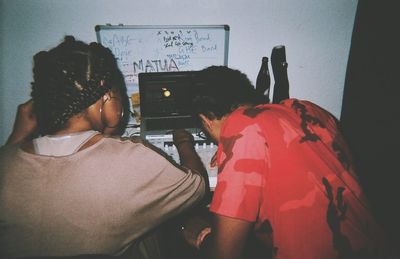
(25, 124)
(190, 159)
(227, 238)
(207, 250)
(17, 137)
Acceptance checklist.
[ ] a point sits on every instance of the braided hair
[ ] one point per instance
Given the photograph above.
(68, 79)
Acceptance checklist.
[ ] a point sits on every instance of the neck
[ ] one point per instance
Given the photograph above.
(71, 130)
(75, 124)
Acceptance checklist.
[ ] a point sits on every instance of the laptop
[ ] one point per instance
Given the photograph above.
(166, 104)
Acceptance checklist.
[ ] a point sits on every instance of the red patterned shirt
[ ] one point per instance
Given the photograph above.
(286, 168)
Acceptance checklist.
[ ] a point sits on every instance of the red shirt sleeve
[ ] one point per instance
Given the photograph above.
(241, 159)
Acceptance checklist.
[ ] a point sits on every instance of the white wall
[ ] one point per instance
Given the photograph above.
(316, 33)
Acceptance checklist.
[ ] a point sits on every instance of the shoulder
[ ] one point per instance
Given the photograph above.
(247, 117)
(304, 105)
(135, 147)
(122, 143)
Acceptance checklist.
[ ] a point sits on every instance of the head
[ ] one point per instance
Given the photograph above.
(223, 90)
(72, 77)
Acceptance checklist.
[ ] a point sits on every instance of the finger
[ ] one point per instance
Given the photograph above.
(213, 161)
(27, 106)
(29, 102)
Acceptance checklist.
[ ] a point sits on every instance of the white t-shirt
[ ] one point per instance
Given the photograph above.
(62, 145)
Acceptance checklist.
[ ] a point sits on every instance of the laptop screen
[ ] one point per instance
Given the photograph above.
(167, 94)
(166, 99)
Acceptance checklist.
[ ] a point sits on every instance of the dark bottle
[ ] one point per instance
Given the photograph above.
(279, 68)
(263, 79)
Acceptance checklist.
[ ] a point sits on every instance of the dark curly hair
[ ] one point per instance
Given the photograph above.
(222, 90)
(69, 78)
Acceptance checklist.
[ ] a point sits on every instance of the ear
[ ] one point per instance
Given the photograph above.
(106, 96)
(205, 121)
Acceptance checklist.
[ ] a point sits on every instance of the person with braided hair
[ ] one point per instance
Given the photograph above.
(68, 186)
(69, 79)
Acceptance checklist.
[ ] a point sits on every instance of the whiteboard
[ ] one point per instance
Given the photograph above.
(164, 48)
(161, 48)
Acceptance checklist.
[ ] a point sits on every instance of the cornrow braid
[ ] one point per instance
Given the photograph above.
(68, 79)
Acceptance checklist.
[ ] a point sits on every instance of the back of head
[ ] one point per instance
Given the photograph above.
(224, 89)
(68, 79)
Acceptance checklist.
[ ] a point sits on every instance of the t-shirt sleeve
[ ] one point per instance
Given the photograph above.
(156, 189)
(242, 159)
(176, 186)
